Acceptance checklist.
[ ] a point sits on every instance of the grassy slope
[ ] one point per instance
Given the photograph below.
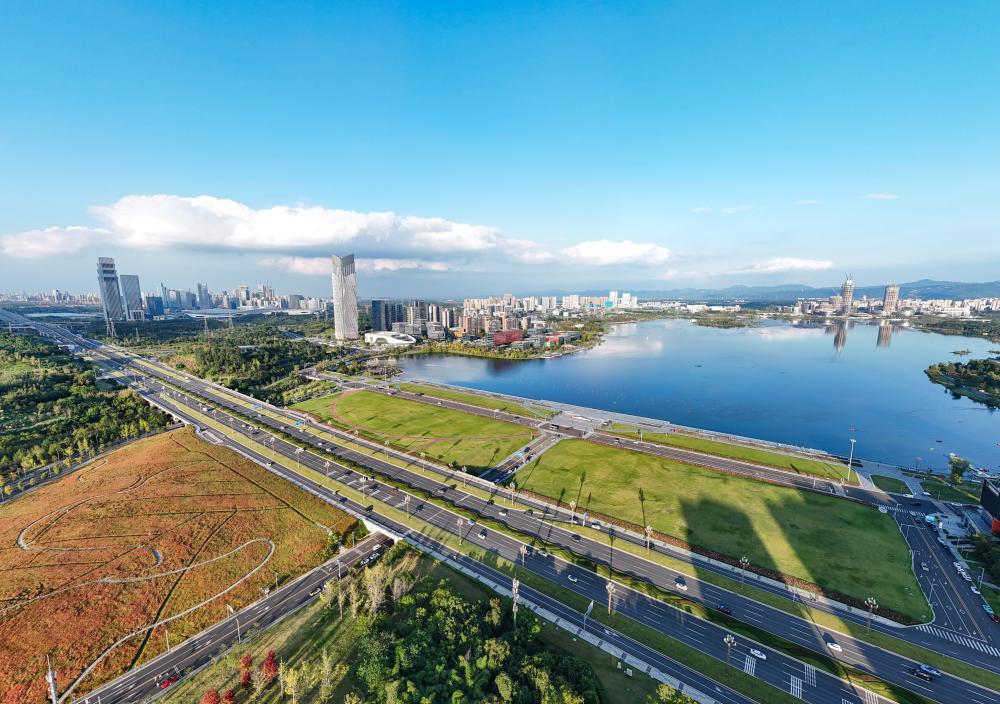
(186, 498)
(945, 492)
(474, 441)
(892, 484)
(829, 541)
(801, 465)
(476, 400)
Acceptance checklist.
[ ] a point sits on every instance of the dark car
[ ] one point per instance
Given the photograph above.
(930, 670)
(921, 675)
(722, 608)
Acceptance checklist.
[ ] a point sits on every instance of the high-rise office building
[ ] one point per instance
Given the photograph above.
(890, 302)
(165, 297)
(107, 285)
(847, 295)
(132, 296)
(154, 305)
(385, 313)
(204, 297)
(345, 298)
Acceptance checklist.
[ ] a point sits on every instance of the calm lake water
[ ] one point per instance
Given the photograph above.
(804, 385)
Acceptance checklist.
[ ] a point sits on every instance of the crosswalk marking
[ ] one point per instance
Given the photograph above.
(795, 686)
(810, 675)
(870, 696)
(960, 639)
(750, 664)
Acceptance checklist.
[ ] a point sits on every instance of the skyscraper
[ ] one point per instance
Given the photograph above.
(847, 294)
(890, 302)
(345, 298)
(107, 284)
(132, 295)
(204, 298)
(385, 313)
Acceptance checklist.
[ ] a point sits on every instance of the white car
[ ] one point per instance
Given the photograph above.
(571, 578)
(966, 576)
(908, 496)
(758, 654)
(834, 646)
(975, 589)
(681, 584)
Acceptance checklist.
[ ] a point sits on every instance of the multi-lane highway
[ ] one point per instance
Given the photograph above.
(782, 671)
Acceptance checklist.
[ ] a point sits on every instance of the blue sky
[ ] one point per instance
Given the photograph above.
(465, 148)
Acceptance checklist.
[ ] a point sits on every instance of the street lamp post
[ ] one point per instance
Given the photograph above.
(524, 553)
(730, 642)
(649, 536)
(872, 605)
(458, 521)
(572, 510)
(743, 573)
(850, 461)
(514, 586)
(406, 503)
(513, 488)
(611, 592)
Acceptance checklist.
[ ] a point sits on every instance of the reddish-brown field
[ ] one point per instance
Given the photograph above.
(160, 509)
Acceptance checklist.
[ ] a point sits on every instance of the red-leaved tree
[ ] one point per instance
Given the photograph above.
(246, 662)
(246, 679)
(229, 697)
(211, 697)
(270, 667)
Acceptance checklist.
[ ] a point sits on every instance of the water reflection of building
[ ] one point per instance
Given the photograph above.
(840, 335)
(884, 335)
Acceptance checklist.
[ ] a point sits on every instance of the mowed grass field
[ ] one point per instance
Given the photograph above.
(477, 400)
(154, 507)
(838, 544)
(443, 434)
(791, 463)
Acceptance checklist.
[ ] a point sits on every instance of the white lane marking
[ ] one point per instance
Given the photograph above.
(795, 686)
(750, 665)
(810, 675)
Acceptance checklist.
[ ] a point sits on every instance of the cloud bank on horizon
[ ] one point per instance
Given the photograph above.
(298, 239)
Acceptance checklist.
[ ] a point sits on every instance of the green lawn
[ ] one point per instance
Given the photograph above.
(450, 436)
(896, 486)
(838, 544)
(940, 489)
(477, 400)
(802, 465)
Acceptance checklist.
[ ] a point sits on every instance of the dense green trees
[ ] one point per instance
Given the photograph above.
(976, 377)
(52, 408)
(439, 647)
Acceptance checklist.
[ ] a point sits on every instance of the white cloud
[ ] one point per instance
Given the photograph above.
(320, 266)
(808, 201)
(781, 264)
(673, 274)
(881, 196)
(734, 209)
(608, 253)
(161, 221)
(35, 244)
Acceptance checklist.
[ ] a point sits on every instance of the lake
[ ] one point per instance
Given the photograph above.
(812, 385)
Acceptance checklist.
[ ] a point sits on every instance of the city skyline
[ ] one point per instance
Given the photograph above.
(671, 158)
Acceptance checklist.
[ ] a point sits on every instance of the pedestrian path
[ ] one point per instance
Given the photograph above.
(960, 639)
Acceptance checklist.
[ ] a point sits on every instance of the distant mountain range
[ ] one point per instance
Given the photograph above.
(925, 288)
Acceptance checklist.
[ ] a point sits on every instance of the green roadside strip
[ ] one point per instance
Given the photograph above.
(792, 463)
(474, 399)
(944, 662)
(891, 484)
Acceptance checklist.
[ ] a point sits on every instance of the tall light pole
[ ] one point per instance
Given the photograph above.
(513, 488)
(458, 521)
(730, 642)
(872, 605)
(406, 503)
(524, 553)
(850, 461)
(514, 586)
(572, 509)
(610, 586)
(743, 573)
(649, 536)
